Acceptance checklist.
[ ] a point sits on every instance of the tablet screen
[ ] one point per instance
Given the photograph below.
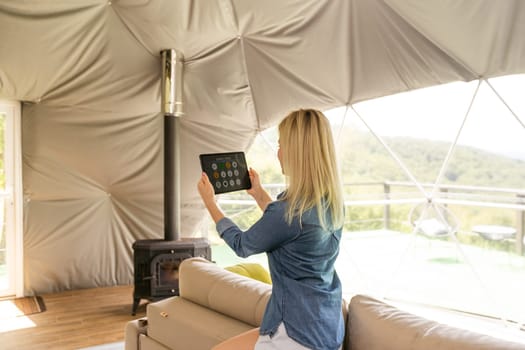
(227, 172)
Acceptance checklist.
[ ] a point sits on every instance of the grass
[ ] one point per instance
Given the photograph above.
(445, 260)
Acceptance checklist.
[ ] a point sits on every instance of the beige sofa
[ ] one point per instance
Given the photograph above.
(215, 305)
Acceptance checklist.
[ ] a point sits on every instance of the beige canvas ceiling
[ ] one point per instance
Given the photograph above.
(88, 73)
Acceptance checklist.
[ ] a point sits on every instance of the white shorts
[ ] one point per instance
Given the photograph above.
(280, 340)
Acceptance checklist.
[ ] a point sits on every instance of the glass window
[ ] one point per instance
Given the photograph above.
(435, 204)
(10, 204)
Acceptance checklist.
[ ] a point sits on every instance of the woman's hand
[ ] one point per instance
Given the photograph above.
(206, 189)
(257, 191)
(256, 188)
(208, 197)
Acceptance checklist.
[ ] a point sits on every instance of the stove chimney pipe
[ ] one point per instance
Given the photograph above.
(171, 105)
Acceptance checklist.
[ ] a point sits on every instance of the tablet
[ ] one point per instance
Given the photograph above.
(227, 172)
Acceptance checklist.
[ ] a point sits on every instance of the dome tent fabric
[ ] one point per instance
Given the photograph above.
(88, 73)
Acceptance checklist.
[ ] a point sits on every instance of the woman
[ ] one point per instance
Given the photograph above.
(300, 232)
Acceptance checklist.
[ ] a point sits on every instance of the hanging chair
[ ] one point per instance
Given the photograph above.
(433, 220)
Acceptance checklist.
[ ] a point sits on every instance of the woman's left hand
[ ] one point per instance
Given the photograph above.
(206, 189)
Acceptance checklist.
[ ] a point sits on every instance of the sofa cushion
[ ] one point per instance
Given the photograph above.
(243, 341)
(211, 286)
(374, 325)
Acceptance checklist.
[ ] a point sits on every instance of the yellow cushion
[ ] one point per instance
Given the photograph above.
(251, 270)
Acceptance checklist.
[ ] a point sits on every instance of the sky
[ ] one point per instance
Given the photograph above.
(437, 113)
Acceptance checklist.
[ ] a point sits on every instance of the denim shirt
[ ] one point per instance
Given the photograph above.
(306, 292)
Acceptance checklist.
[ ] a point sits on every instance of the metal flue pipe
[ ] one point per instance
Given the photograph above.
(171, 106)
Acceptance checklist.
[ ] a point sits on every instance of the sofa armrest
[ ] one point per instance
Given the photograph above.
(213, 287)
(180, 324)
(133, 331)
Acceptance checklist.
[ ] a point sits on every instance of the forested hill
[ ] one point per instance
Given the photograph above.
(364, 159)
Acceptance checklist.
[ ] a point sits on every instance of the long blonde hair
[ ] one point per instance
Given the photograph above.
(310, 167)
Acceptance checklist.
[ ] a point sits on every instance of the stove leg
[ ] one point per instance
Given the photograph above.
(136, 302)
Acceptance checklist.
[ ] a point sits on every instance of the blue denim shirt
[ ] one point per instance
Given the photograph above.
(306, 292)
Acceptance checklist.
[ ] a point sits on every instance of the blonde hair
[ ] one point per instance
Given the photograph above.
(310, 166)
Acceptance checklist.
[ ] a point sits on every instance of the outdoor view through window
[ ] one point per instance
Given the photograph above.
(10, 232)
(4, 278)
(434, 192)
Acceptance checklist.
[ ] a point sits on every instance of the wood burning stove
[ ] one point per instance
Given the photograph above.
(156, 261)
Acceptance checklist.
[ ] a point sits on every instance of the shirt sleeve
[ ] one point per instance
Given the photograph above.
(268, 233)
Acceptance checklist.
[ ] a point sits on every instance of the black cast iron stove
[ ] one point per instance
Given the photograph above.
(156, 263)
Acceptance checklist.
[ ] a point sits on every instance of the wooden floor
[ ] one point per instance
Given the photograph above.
(72, 320)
